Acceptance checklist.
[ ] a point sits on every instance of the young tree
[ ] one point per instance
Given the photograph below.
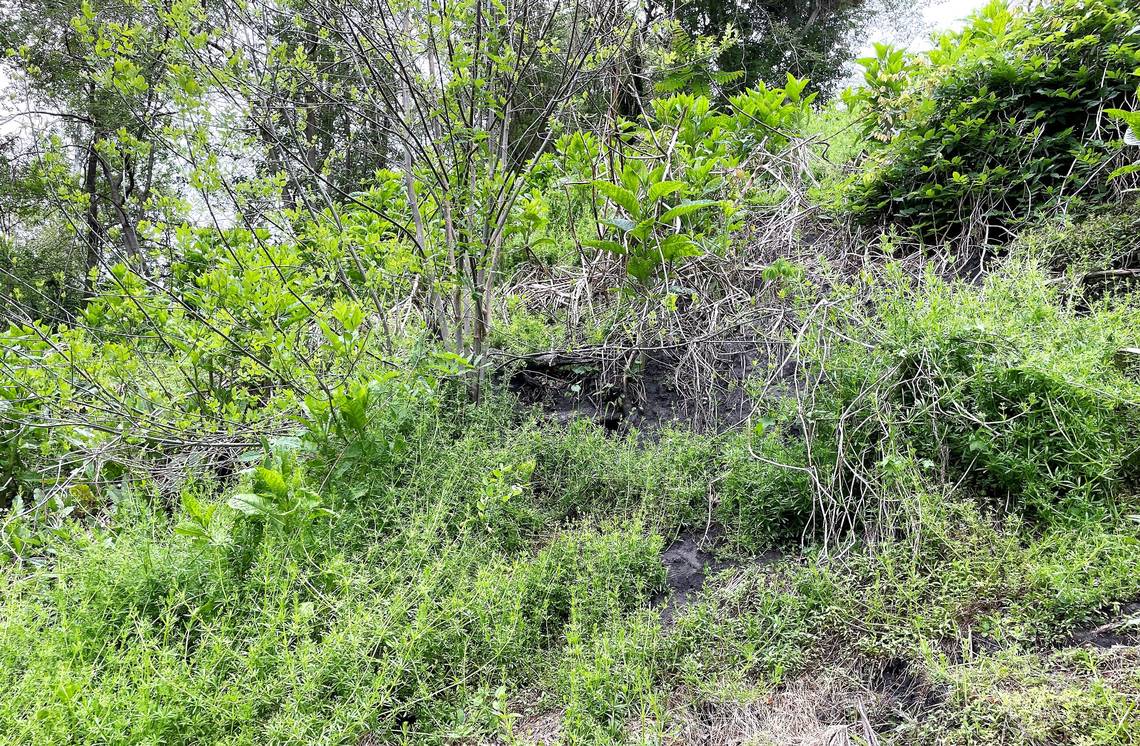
(447, 83)
(89, 86)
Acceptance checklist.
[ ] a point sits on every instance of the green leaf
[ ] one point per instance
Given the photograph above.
(726, 76)
(620, 196)
(686, 208)
(192, 530)
(250, 504)
(678, 246)
(611, 246)
(623, 225)
(273, 481)
(642, 267)
(664, 189)
(1131, 118)
(642, 229)
(1124, 171)
(633, 175)
(673, 83)
(794, 87)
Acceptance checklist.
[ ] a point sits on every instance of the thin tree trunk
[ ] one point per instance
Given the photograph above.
(94, 230)
(437, 318)
(130, 231)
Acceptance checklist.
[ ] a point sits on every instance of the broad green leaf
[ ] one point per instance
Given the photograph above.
(634, 174)
(678, 246)
(620, 196)
(623, 225)
(250, 504)
(1131, 118)
(273, 481)
(1124, 171)
(794, 87)
(192, 530)
(642, 267)
(611, 246)
(686, 208)
(664, 189)
(641, 230)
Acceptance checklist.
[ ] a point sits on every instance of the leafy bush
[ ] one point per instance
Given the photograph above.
(974, 574)
(609, 681)
(42, 277)
(583, 472)
(247, 331)
(1105, 241)
(369, 551)
(766, 494)
(999, 120)
(1010, 386)
(1075, 696)
(140, 633)
(654, 191)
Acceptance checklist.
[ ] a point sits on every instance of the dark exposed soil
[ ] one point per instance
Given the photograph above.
(906, 688)
(689, 560)
(1124, 629)
(686, 565)
(566, 387)
(648, 398)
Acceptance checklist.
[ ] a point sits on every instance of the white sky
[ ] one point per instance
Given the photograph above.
(949, 13)
(938, 15)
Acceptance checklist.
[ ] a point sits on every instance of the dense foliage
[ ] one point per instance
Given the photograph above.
(808, 40)
(543, 417)
(1007, 388)
(1000, 120)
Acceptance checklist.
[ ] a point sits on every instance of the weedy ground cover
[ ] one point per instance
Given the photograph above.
(270, 484)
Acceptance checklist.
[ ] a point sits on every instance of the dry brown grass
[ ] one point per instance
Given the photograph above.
(825, 709)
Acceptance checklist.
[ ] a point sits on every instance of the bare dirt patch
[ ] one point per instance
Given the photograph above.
(689, 560)
(1123, 629)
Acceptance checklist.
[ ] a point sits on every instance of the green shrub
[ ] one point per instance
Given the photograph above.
(1105, 240)
(582, 471)
(610, 681)
(765, 493)
(42, 277)
(1008, 386)
(139, 635)
(1000, 119)
(1083, 697)
(755, 627)
(671, 187)
(525, 331)
(974, 580)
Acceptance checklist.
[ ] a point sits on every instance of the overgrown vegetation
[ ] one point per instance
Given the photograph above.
(384, 373)
(1000, 121)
